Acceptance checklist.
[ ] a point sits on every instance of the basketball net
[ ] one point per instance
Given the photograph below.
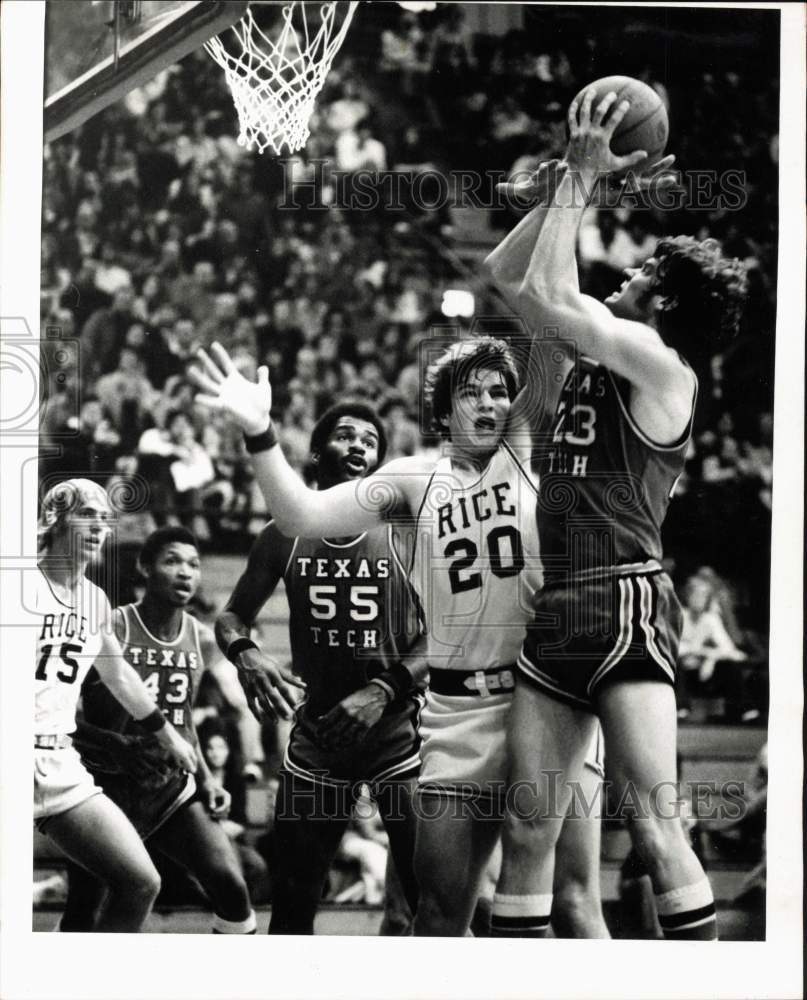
(275, 81)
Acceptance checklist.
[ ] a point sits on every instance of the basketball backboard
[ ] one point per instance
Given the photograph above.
(96, 51)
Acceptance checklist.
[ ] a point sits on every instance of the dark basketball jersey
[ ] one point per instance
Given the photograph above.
(351, 613)
(604, 485)
(170, 670)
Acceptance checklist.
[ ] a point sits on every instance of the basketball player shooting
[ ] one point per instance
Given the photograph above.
(617, 447)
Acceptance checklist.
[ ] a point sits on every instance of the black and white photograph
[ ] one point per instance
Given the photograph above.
(402, 442)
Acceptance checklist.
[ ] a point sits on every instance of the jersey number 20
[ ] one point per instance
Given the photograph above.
(502, 564)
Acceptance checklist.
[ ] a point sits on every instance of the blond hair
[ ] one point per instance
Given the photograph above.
(63, 499)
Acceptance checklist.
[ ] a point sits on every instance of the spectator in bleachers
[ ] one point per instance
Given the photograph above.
(179, 470)
(404, 54)
(127, 396)
(403, 434)
(347, 110)
(97, 445)
(227, 768)
(710, 663)
(104, 334)
(451, 53)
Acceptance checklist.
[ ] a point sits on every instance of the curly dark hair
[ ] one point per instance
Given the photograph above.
(703, 291)
(159, 539)
(457, 365)
(348, 408)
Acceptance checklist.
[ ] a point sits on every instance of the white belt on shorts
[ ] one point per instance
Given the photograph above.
(470, 683)
(53, 741)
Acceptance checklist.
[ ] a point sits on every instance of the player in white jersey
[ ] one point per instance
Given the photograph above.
(73, 620)
(475, 564)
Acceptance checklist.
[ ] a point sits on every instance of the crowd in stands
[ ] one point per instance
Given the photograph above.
(160, 234)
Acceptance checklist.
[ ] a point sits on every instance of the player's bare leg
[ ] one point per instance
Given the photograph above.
(395, 804)
(639, 723)
(199, 845)
(577, 903)
(310, 821)
(99, 837)
(453, 845)
(547, 745)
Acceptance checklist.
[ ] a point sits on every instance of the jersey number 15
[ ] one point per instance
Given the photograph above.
(66, 648)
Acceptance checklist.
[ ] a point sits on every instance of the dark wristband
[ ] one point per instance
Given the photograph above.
(261, 442)
(238, 646)
(153, 722)
(396, 679)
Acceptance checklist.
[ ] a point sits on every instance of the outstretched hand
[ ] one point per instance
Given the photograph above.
(225, 390)
(539, 187)
(590, 134)
(659, 177)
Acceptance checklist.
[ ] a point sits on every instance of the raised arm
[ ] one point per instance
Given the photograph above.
(663, 386)
(507, 264)
(297, 510)
(268, 689)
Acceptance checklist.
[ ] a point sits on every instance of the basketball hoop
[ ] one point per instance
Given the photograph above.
(275, 81)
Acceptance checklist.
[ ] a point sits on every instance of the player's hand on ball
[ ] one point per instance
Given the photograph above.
(218, 800)
(590, 133)
(659, 177)
(271, 691)
(178, 748)
(225, 390)
(537, 189)
(352, 719)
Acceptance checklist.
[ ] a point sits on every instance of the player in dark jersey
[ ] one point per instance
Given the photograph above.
(354, 635)
(175, 814)
(604, 638)
(470, 583)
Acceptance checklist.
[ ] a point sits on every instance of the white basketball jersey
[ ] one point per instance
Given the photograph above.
(68, 642)
(476, 562)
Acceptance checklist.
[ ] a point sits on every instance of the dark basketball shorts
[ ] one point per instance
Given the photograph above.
(389, 752)
(585, 634)
(148, 807)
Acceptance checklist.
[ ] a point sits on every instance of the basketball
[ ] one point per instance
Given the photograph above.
(645, 126)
